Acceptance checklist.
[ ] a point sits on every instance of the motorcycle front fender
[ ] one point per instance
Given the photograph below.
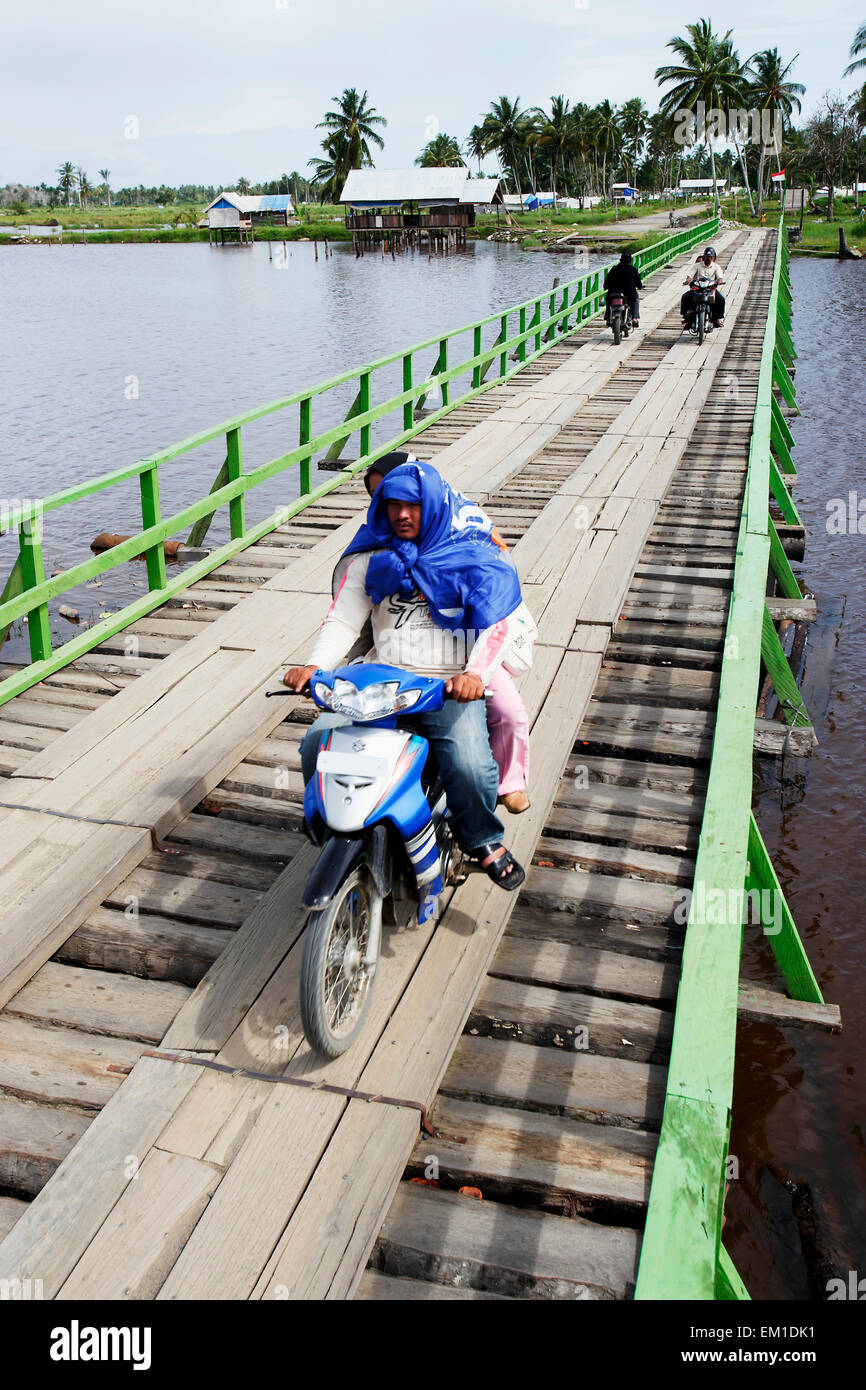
(338, 858)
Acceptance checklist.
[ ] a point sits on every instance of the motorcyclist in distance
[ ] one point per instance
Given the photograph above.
(710, 270)
(624, 278)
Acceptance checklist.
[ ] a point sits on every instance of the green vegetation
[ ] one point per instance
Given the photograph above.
(719, 117)
(347, 143)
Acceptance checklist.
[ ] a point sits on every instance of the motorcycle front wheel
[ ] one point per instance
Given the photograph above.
(335, 989)
(702, 320)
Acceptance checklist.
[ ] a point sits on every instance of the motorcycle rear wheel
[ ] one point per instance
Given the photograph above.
(335, 990)
(616, 325)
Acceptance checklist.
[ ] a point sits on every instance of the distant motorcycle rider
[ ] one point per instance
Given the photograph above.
(624, 278)
(709, 270)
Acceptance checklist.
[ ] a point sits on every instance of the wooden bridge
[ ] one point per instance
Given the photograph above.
(165, 1132)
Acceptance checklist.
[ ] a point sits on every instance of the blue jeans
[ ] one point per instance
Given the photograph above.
(458, 736)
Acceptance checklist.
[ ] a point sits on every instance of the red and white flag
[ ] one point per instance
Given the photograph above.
(778, 178)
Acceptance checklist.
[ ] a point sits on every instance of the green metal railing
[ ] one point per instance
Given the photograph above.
(682, 1255)
(541, 322)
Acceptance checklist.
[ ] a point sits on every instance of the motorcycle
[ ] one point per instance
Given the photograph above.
(377, 808)
(699, 314)
(619, 311)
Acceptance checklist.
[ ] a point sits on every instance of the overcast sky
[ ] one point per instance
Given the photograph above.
(220, 89)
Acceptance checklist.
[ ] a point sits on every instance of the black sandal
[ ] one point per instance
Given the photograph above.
(496, 869)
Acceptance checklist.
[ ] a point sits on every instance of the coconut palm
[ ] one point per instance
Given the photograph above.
(443, 151)
(105, 174)
(505, 128)
(770, 91)
(708, 71)
(607, 138)
(84, 188)
(557, 135)
(350, 130)
(858, 46)
(475, 145)
(634, 124)
(66, 180)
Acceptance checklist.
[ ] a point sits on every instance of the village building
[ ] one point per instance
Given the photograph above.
(407, 208)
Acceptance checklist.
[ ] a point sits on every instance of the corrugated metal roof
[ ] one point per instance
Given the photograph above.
(251, 202)
(479, 191)
(390, 187)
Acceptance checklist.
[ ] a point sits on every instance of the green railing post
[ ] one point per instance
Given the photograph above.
(196, 537)
(476, 352)
(32, 574)
(234, 471)
(408, 406)
(364, 404)
(443, 367)
(536, 319)
(503, 356)
(521, 328)
(151, 516)
(304, 437)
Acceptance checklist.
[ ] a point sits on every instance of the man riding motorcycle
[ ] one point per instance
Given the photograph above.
(624, 279)
(468, 588)
(708, 270)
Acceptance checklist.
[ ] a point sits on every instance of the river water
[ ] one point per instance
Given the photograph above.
(114, 352)
(799, 1130)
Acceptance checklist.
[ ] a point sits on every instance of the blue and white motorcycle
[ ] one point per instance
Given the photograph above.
(377, 808)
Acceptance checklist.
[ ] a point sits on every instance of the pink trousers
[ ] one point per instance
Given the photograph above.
(508, 726)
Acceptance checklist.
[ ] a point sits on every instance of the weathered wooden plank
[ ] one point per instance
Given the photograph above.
(34, 1139)
(61, 1065)
(511, 1153)
(443, 1236)
(578, 1084)
(11, 1208)
(98, 1001)
(139, 1242)
(146, 944)
(60, 1223)
(569, 1019)
(760, 1005)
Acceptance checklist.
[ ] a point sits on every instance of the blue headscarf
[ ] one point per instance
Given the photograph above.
(466, 578)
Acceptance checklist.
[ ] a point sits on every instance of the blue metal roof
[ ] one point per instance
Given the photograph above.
(275, 202)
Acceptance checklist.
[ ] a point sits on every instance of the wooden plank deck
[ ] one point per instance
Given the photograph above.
(540, 1025)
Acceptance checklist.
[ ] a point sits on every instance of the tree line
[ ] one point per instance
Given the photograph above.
(578, 150)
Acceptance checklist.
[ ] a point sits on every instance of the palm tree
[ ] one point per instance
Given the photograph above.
(105, 174)
(443, 151)
(84, 188)
(634, 123)
(708, 72)
(66, 180)
(350, 130)
(770, 91)
(475, 145)
(243, 186)
(504, 129)
(556, 133)
(858, 46)
(606, 138)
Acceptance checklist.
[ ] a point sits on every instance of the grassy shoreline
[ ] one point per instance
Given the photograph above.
(532, 231)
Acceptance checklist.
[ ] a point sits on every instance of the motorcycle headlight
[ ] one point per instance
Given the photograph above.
(374, 702)
(323, 694)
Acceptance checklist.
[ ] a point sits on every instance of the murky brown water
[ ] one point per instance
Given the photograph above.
(800, 1095)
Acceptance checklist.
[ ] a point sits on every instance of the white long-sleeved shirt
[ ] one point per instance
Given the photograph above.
(405, 635)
